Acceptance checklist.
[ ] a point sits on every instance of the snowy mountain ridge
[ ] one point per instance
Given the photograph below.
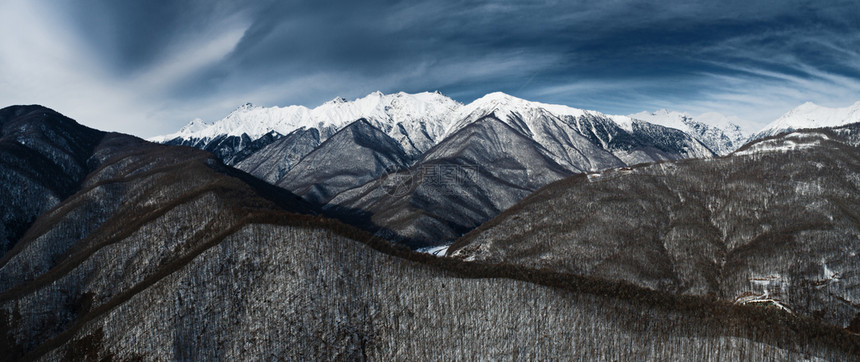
(578, 139)
(421, 120)
(501, 103)
(415, 120)
(418, 121)
(811, 115)
(720, 133)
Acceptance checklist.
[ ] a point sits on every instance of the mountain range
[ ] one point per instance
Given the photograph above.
(415, 137)
(160, 252)
(416, 121)
(555, 233)
(410, 136)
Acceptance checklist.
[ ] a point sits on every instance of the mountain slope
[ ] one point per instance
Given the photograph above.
(143, 207)
(719, 133)
(583, 140)
(484, 165)
(460, 183)
(356, 154)
(43, 157)
(272, 162)
(810, 115)
(777, 219)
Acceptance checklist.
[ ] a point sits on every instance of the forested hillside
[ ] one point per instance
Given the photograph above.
(303, 292)
(776, 221)
(43, 157)
(172, 199)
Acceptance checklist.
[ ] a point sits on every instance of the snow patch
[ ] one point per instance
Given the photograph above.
(435, 250)
(784, 146)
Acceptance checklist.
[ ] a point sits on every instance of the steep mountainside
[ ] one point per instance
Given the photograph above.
(142, 209)
(43, 158)
(583, 140)
(230, 149)
(778, 220)
(465, 180)
(810, 115)
(356, 154)
(276, 159)
(720, 133)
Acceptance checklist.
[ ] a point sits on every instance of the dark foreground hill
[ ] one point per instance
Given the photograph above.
(165, 253)
(43, 158)
(286, 288)
(171, 198)
(777, 222)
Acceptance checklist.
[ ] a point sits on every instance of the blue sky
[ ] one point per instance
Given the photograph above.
(148, 67)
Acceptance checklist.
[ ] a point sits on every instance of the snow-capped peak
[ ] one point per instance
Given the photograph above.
(683, 120)
(338, 100)
(194, 126)
(502, 101)
(504, 105)
(420, 120)
(806, 107)
(811, 115)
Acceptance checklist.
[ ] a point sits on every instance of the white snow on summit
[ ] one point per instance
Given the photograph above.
(419, 121)
(194, 126)
(503, 104)
(574, 138)
(424, 113)
(811, 115)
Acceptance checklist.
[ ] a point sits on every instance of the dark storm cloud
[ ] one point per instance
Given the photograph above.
(615, 56)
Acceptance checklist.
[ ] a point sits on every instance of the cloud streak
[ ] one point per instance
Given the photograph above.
(148, 70)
